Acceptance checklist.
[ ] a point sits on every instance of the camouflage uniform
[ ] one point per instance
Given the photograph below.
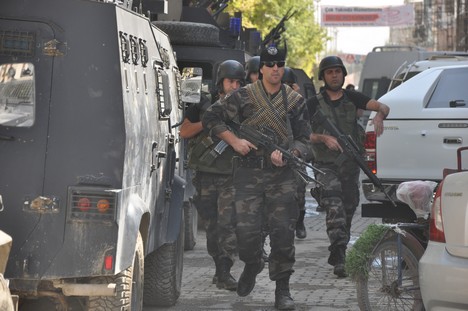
(214, 203)
(258, 184)
(214, 195)
(340, 193)
(340, 197)
(301, 232)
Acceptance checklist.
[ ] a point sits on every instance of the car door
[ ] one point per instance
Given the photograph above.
(24, 108)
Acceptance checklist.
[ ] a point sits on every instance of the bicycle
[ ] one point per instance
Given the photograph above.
(389, 279)
(388, 255)
(392, 282)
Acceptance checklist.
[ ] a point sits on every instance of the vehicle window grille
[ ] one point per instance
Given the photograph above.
(17, 43)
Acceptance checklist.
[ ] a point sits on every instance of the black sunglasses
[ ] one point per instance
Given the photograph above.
(272, 64)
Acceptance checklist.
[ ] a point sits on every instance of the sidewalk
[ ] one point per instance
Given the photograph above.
(313, 285)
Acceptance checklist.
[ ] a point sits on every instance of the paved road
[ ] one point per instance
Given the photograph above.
(313, 285)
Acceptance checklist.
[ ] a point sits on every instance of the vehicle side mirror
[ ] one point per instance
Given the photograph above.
(191, 85)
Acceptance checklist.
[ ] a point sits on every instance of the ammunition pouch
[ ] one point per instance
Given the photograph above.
(199, 149)
(204, 155)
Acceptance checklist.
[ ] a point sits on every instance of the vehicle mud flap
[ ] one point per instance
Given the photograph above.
(176, 209)
(164, 266)
(191, 225)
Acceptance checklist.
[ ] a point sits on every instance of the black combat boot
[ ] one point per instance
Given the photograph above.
(339, 255)
(247, 279)
(215, 277)
(283, 300)
(301, 232)
(225, 279)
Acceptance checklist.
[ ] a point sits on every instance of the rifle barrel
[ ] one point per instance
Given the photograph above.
(349, 146)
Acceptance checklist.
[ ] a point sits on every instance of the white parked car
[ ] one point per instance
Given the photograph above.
(443, 269)
(428, 122)
(405, 73)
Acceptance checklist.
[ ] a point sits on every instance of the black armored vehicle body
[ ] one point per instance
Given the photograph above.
(202, 39)
(89, 95)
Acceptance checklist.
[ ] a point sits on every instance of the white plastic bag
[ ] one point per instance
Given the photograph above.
(418, 195)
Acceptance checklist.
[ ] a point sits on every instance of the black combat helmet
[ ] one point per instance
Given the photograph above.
(251, 66)
(230, 69)
(289, 76)
(330, 62)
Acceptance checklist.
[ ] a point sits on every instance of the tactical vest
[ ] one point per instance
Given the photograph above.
(345, 118)
(209, 155)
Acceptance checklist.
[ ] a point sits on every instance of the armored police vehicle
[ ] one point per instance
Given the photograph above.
(92, 197)
(202, 37)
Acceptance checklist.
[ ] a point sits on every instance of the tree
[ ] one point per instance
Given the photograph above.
(305, 38)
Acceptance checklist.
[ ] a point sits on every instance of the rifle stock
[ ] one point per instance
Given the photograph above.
(260, 139)
(350, 149)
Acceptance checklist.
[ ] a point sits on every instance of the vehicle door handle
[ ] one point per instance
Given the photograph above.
(3, 137)
(457, 103)
(159, 155)
(453, 140)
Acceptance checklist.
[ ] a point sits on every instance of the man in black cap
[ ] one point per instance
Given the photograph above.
(262, 179)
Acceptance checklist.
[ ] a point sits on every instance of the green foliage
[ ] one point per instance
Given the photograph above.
(358, 257)
(305, 37)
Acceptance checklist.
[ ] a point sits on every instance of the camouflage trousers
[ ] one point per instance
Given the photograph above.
(340, 197)
(300, 193)
(266, 193)
(214, 202)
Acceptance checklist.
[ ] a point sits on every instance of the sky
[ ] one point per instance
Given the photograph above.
(359, 40)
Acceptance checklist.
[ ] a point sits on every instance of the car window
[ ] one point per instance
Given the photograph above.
(451, 90)
(375, 88)
(17, 94)
(402, 78)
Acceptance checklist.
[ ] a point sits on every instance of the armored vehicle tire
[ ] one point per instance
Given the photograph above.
(163, 273)
(187, 33)
(191, 225)
(129, 286)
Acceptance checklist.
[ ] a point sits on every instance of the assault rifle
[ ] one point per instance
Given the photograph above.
(275, 34)
(268, 142)
(350, 149)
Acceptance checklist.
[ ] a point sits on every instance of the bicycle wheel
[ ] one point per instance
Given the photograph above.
(381, 290)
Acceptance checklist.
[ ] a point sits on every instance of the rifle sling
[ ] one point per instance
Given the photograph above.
(288, 122)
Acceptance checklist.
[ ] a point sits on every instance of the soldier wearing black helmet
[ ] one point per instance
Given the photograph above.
(290, 79)
(252, 67)
(213, 178)
(340, 193)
